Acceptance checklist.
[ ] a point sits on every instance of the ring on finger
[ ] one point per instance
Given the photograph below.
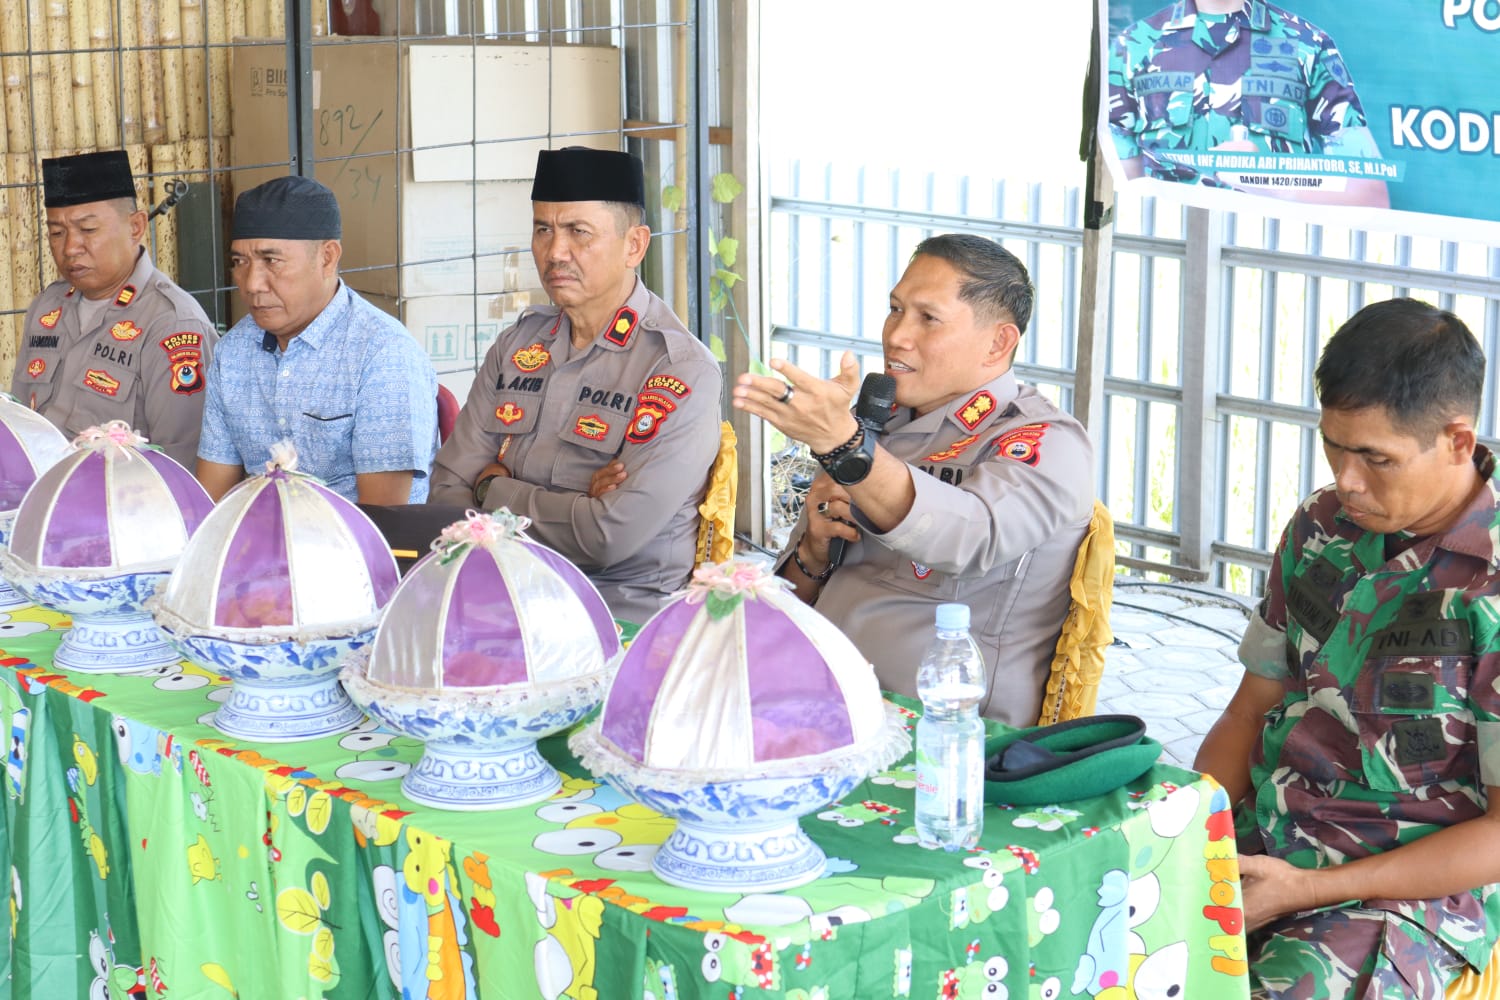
(823, 507)
(786, 397)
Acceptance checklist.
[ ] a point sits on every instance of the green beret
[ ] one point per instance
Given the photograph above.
(1077, 759)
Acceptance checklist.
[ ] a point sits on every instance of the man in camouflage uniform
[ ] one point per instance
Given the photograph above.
(980, 489)
(596, 417)
(1363, 744)
(1236, 76)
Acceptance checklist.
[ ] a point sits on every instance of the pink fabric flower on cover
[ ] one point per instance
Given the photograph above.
(115, 433)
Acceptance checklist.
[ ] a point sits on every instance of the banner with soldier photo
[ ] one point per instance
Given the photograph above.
(1383, 104)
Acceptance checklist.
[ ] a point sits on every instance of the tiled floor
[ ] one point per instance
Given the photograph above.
(1173, 662)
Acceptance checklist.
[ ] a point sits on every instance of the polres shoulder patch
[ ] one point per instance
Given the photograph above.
(1022, 444)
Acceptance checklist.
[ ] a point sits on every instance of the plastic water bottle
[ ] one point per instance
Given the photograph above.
(950, 736)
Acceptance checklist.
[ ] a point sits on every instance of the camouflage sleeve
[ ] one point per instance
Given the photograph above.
(1335, 116)
(1484, 685)
(1263, 649)
(1124, 117)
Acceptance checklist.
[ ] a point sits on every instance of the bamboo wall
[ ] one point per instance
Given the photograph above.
(151, 76)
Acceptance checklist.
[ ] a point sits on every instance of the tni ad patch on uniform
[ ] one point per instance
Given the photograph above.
(979, 406)
(1419, 741)
(1406, 691)
(101, 382)
(1434, 637)
(591, 427)
(529, 359)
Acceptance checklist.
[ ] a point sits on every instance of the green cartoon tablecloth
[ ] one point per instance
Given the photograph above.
(147, 855)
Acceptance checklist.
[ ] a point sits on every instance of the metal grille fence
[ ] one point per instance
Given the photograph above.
(839, 235)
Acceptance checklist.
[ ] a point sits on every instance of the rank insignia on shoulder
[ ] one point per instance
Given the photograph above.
(1023, 444)
(509, 413)
(50, 319)
(529, 359)
(35, 367)
(125, 330)
(126, 295)
(979, 406)
(101, 382)
(591, 427)
(667, 383)
(622, 326)
(954, 450)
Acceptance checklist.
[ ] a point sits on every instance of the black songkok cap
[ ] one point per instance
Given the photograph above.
(287, 208)
(578, 173)
(78, 180)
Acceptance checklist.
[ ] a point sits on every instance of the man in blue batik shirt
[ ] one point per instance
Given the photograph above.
(313, 362)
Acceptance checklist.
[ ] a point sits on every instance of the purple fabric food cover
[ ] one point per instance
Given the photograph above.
(486, 610)
(29, 446)
(284, 552)
(738, 674)
(111, 505)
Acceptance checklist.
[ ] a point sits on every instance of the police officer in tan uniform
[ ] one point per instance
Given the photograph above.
(115, 339)
(596, 417)
(977, 490)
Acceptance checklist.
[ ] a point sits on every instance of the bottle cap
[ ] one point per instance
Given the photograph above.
(953, 617)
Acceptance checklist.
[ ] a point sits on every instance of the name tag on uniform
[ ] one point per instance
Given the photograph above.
(1406, 691)
(1308, 602)
(1419, 741)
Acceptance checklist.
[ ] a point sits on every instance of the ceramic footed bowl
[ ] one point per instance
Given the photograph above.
(733, 835)
(112, 632)
(282, 690)
(479, 751)
(10, 598)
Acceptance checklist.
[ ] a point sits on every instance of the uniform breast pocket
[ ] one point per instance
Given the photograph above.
(593, 435)
(108, 394)
(1276, 119)
(1414, 724)
(1168, 114)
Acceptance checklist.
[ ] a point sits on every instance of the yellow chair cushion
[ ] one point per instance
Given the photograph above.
(1078, 664)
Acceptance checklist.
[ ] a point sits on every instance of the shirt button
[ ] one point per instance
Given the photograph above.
(282, 421)
(286, 373)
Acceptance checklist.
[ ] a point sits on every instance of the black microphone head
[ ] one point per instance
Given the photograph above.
(877, 395)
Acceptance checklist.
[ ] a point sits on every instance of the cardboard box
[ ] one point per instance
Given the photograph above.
(452, 220)
(457, 330)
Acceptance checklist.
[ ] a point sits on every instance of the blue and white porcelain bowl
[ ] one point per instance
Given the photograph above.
(490, 643)
(737, 711)
(95, 536)
(282, 583)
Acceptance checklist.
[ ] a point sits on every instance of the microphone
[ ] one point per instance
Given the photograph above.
(877, 397)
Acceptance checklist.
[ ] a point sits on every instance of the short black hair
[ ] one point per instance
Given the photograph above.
(1420, 363)
(995, 283)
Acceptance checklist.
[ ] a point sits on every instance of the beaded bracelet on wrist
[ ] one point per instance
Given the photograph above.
(847, 446)
(797, 558)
